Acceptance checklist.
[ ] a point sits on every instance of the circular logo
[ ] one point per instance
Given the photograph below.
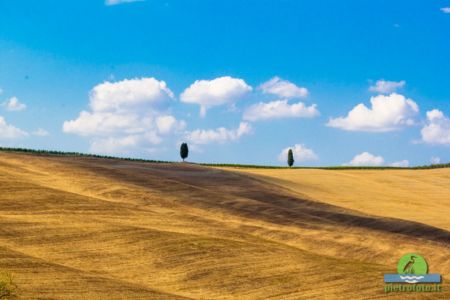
(412, 263)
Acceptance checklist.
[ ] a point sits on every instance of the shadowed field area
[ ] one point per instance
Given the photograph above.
(91, 228)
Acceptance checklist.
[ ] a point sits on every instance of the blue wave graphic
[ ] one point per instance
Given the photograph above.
(412, 278)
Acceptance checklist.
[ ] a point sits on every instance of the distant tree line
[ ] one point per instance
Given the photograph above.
(76, 154)
(184, 152)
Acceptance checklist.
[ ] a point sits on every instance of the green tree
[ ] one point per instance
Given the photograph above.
(184, 151)
(290, 158)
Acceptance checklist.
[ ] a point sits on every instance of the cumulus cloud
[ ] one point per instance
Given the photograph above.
(366, 159)
(387, 113)
(400, 164)
(445, 10)
(8, 131)
(283, 88)
(116, 2)
(386, 87)
(13, 104)
(279, 109)
(220, 135)
(301, 153)
(168, 124)
(118, 145)
(435, 160)
(437, 129)
(129, 95)
(40, 132)
(125, 115)
(104, 124)
(219, 91)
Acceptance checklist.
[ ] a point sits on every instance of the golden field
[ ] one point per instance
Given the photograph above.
(90, 228)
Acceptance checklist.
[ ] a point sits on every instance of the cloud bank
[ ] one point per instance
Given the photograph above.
(8, 131)
(387, 113)
(386, 87)
(437, 129)
(41, 132)
(216, 92)
(117, 2)
(435, 160)
(283, 88)
(13, 104)
(278, 110)
(124, 115)
(218, 136)
(366, 159)
(301, 154)
(400, 164)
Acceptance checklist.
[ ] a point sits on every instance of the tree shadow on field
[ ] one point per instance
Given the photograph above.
(251, 197)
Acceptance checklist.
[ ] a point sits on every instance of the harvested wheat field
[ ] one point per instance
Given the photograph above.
(91, 228)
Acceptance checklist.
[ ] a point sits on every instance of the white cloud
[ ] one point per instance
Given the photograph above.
(104, 124)
(129, 95)
(220, 135)
(13, 104)
(366, 159)
(446, 10)
(1, 91)
(387, 113)
(167, 124)
(126, 115)
(435, 160)
(283, 88)
(219, 91)
(401, 164)
(115, 145)
(301, 153)
(41, 132)
(279, 109)
(386, 87)
(116, 2)
(435, 114)
(437, 129)
(8, 131)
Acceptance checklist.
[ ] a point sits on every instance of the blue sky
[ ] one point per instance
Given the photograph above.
(359, 82)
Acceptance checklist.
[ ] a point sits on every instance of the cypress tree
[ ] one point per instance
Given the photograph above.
(184, 151)
(290, 158)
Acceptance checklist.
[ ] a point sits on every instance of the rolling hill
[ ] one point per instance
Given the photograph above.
(93, 228)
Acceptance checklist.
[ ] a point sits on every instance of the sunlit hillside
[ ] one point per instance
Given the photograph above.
(413, 195)
(92, 228)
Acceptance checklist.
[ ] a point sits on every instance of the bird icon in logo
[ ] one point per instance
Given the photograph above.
(409, 267)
